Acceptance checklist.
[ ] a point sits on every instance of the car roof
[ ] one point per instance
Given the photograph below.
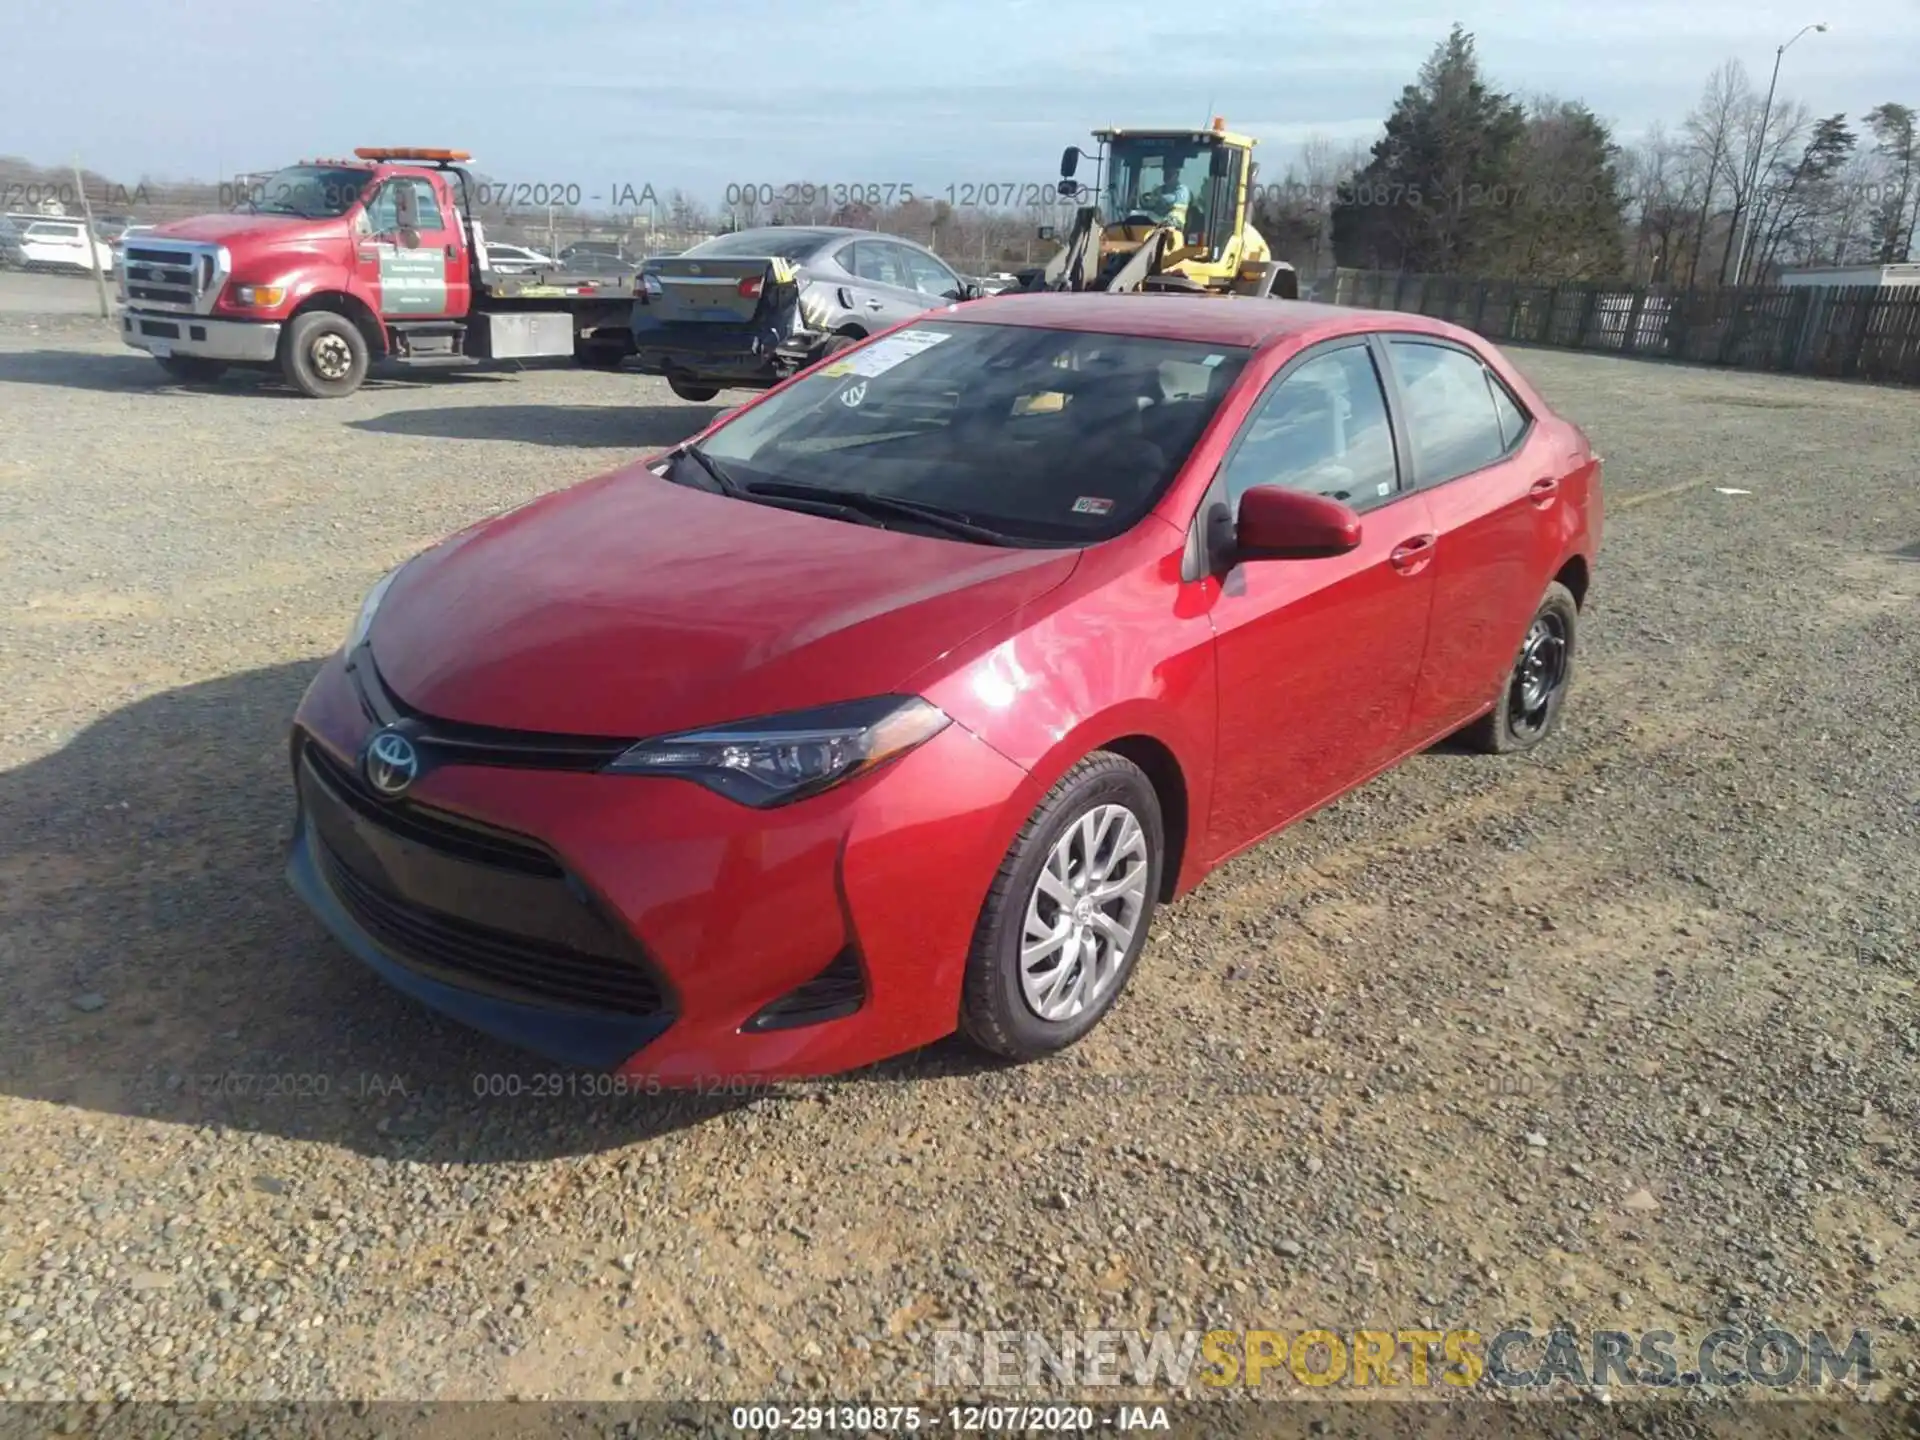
(1208, 319)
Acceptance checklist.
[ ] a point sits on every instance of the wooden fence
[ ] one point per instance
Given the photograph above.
(1855, 332)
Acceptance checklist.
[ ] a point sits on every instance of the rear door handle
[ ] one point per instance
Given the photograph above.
(1410, 557)
(1542, 491)
(875, 304)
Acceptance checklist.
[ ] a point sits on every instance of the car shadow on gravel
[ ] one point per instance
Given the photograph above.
(131, 373)
(582, 426)
(155, 964)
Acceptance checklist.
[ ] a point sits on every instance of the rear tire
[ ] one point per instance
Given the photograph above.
(1530, 702)
(687, 390)
(193, 369)
(1050, 955)
(323, 355)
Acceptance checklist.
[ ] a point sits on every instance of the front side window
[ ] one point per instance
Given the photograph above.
(1451, 417)
(1045, 436)
(928, 275)
(1322, 428)
(385, 214)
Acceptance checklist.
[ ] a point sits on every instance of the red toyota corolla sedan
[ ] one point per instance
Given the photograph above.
(896, 701)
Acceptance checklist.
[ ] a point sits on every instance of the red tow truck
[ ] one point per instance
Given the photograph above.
(327, 268)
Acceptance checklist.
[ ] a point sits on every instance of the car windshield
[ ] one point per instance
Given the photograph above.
(780, 243)
(314, 192)
(1047, 437)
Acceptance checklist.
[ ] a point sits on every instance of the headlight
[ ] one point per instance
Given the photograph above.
(363, 622)
(264, 296)
(789, 757)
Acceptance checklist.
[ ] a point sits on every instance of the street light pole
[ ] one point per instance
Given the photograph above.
(1759, 152)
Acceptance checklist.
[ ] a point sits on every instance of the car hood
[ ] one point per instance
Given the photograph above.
(630, 606)
(228, 229)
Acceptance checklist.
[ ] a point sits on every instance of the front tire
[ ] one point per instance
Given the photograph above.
(193, 369)
(323, 355)
(1528, 710)
(1068, 914)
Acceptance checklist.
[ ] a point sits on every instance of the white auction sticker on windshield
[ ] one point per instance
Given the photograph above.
(1093, 505)
(883, 355)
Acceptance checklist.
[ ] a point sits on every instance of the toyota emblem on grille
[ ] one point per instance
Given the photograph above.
(392, 763)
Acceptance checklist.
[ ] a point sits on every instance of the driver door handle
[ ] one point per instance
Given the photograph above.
(1410, 557)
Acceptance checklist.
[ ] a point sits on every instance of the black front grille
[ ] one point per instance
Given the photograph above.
(476, 957)
(467, 904)
(450, 834)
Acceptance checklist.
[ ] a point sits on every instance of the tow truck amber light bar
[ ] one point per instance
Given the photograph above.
(410, 153)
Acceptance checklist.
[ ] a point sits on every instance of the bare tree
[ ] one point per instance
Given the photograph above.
(1712, 129)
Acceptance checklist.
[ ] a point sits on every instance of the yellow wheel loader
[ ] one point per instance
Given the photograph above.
(1168, 212)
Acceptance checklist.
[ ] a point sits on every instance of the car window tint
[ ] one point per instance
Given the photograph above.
(1450, 414)
(928, 275)
(1322, 429)
(1513, 420)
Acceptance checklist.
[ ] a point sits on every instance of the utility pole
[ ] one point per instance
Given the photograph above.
(93, 240)
(1759, 154)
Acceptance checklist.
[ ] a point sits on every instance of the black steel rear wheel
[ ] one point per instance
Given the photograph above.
(1529, 706)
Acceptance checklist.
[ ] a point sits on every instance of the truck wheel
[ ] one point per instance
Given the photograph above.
(324, 355)
(698, 394)
(193, 369)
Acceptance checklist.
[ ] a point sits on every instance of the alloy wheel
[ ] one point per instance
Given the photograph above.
(1084, 913)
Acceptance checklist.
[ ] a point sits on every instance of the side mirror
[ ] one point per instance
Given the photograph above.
(1045, 232)
(1275, 523)
(1069, 161)
(1221, 162)
(1067, 188)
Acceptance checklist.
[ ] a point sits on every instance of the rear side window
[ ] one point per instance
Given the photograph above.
(1451, 417)
(1513, 420)
(881, 263)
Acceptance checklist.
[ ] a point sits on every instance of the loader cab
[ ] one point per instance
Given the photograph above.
(1193, 179)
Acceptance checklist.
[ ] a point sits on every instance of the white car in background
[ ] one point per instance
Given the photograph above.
(62, 245)
(512, 259)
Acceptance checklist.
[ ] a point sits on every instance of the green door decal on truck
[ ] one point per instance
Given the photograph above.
(412, 282)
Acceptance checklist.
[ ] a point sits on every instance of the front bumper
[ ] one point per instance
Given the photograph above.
(729, 912)
(162, 334)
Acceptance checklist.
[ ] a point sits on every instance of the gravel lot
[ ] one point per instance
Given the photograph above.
(1624, 1033)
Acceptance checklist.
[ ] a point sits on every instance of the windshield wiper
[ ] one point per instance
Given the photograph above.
(724, 482)
(952, 521)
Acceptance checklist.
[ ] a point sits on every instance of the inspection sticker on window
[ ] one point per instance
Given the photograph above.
(881, 357)
(1092, 505)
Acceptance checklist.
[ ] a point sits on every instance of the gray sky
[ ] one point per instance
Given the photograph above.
(702, 93)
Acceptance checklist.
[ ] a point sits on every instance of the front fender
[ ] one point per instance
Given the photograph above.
(1121, 652)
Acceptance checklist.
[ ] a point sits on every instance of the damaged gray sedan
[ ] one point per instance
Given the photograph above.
(744, 311)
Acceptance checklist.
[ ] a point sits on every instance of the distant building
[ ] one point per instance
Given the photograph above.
(1877, 276)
